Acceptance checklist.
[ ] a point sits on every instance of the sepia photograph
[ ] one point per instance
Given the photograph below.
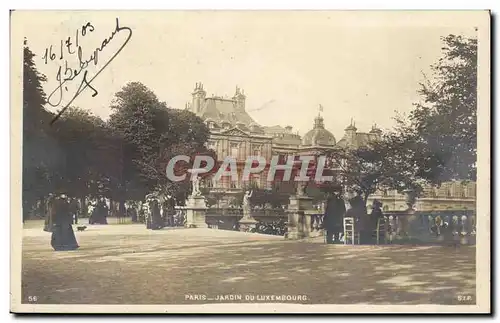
(250, 161)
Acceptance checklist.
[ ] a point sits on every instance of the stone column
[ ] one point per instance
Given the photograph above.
(408, 219)
(299, 217)
(196, 211)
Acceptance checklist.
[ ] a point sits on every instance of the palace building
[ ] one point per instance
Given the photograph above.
(233, 132)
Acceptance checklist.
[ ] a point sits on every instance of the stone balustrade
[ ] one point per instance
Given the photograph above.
(303, 221)
(313, 224)
(427, 227)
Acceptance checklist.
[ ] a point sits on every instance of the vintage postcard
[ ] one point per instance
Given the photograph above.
(250, 161)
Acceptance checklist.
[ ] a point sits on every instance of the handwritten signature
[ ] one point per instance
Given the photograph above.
(66, 74)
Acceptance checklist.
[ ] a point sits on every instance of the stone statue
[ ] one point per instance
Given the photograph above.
(246, 204)
(301, 188)
(196, 185)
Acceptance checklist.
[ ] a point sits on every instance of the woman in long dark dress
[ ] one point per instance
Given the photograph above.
(103, 211)
(63, 236)
(100, 213)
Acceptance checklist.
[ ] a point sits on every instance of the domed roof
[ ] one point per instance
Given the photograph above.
(318, 136)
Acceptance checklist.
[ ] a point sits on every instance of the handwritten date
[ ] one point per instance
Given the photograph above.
(66, 72)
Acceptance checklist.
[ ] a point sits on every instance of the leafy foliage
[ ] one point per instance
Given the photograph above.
(444, 124)
(435, 143)
(153, 134)
(38, 147)
(91, 162)
(84, 156)
(386, 164)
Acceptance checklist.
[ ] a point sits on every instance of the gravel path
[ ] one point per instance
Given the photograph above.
(127, 264)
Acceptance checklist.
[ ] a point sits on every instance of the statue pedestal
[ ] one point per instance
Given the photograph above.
(247, 223)
(196, 211)
(298, 227)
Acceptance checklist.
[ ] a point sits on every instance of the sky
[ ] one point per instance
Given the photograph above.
(359, 65)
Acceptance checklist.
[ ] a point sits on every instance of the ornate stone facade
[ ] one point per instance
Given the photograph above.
(450, 196)
(233, 132)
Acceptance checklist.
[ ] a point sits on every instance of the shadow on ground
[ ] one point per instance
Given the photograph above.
(170, 267)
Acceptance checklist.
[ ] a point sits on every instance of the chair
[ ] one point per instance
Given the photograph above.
(381, 230)
(350, 232)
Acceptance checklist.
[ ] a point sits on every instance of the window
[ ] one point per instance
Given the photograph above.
(255, 181)
(281, 159)
(234, 184)
(234, 149)
(209, 183)
(212, 145)
(257, 150)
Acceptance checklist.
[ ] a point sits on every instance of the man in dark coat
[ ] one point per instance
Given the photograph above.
(376, 215)
(74, 209)
(333, 221)
(132, 211)
(359, 213)
(156, 218)
(170, 211)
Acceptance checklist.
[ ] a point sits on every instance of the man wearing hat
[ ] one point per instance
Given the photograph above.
(359, 213)
(333, 221)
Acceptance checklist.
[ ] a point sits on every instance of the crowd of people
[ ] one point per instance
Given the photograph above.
(156, 213)
(61, 212)
(352, 204)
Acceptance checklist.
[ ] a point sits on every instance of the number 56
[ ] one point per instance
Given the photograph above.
(32, 298)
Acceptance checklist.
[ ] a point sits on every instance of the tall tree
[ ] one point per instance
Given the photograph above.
(91, 164)
(361, 169)
(38, 147)
(389, 163)
(435, 143)
(139, 118)
(153, 134)
(444, 124)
